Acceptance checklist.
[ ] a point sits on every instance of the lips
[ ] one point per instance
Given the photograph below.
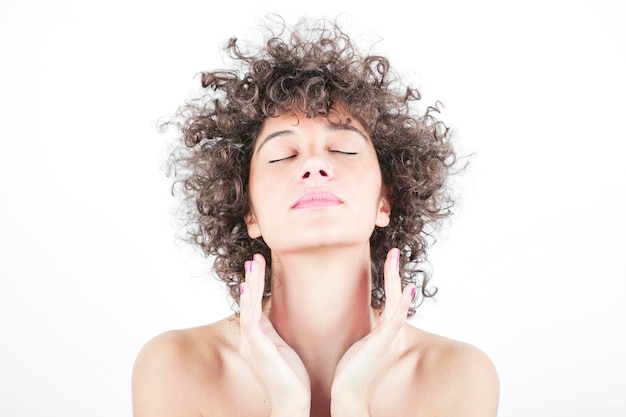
(316, 198)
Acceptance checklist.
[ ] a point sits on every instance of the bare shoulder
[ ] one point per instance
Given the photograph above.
(461, 379)
(175, 372)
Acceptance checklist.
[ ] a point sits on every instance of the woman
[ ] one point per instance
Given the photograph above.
(314, 184)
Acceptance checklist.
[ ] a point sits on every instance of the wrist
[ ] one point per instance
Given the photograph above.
(304, 411)
(348, 402)
(290, 414)
(348, 408)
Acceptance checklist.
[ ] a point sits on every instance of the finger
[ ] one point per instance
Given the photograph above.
(250, 304)
(257, 275)
(253, 287)
(245, 305)
(391, 328)
(245, 314)
(393, 284)
(402, 309)
(248, 294)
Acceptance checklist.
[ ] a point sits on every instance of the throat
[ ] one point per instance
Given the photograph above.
(321, 337)
(320, 310)
(322, 329)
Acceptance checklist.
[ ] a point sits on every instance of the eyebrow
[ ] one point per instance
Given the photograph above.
(334, 127)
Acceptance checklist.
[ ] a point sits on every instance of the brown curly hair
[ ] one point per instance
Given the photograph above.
(312, 69)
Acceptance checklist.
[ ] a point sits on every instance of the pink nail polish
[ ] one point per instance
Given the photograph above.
(413, 292)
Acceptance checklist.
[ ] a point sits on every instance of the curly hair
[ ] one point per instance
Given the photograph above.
(310, 69)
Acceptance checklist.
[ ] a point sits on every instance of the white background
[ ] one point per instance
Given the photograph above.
(531, 269)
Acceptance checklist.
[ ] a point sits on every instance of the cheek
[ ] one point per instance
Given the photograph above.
(371, 178)
(265, 203)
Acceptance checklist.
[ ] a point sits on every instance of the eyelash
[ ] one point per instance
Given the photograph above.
(343, 152)
(282, 159)
(293, 156)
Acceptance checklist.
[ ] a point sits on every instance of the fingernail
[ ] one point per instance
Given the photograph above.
(240, 289)
(247, 266)
(413, 292)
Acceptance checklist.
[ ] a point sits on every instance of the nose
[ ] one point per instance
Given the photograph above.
(316, 165)
(321, 172)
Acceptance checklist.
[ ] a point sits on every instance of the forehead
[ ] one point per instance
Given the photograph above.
(294, 122)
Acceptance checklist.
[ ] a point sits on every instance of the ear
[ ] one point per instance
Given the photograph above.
(254, 231)
(384, 208)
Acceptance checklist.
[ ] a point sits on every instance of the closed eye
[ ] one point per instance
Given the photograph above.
(343, 152)
(282, 159)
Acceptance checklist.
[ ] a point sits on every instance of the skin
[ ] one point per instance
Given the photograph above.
(317, 347)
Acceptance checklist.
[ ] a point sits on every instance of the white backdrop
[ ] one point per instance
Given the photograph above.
(531, 269)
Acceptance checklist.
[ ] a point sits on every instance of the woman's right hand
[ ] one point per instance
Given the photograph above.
(276, 366)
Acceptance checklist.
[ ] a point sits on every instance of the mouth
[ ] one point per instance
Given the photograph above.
(315, 199)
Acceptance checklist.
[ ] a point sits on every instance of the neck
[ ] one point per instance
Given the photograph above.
(321, 305)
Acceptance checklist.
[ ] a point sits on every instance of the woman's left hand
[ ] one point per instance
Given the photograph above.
(365, 364)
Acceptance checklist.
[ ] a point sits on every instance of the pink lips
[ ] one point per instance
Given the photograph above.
(317, 198)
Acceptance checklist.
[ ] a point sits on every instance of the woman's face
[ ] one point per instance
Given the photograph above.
(314, 184)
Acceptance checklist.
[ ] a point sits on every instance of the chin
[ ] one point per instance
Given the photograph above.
(312, 238)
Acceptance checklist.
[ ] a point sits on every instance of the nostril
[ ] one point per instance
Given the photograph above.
(308, 174)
